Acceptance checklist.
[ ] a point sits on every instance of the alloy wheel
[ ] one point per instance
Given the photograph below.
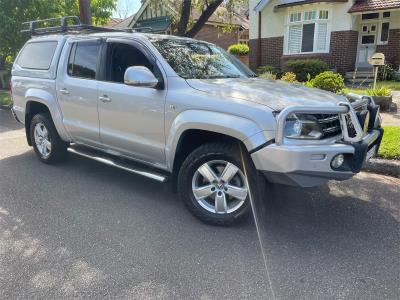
(42, 140)
(219, 187)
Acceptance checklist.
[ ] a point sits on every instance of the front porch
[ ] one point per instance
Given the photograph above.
(378, 31)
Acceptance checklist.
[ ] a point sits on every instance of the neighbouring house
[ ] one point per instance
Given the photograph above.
(222, 28)
(113, 22)
(344, 33)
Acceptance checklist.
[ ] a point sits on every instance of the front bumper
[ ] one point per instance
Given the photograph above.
(308, 165)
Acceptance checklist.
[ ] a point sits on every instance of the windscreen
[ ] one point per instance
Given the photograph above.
(192, 59)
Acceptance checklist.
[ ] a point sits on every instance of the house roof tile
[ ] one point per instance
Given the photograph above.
(371, 5)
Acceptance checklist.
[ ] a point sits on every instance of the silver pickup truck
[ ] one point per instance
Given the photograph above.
(186, 111)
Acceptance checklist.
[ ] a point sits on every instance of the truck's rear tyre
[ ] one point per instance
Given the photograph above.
(48, 145)
(212, 184)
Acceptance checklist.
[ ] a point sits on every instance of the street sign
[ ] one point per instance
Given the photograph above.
(378, 59)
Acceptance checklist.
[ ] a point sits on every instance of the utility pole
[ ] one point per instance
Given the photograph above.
(85, 13)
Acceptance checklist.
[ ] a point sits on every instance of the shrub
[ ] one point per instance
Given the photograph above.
(329, 81)
(289, 77)
(386, 72)
(309, 83)
(239, 49)
(268, 75)
(380, 91)
(304, 68)
(269, 69)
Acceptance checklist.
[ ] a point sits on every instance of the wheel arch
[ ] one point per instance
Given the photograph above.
(37, 101)
(193, 128)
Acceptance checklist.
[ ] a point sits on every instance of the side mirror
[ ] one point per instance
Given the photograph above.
(140, 76)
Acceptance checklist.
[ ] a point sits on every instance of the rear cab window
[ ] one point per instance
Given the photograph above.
(37, 55)
(83, 59)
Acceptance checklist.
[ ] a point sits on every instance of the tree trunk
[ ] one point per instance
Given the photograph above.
(211, 8)
(85, 13)
(185, 14)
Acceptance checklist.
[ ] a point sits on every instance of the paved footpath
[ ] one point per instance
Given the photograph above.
(84, 230)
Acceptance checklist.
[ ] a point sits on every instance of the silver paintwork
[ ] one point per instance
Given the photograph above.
(42, 141)
(223, 187)
(147, 124)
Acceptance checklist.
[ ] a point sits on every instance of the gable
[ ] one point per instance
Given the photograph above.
(153, 11)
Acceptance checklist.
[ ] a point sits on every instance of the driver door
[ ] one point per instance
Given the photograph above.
(131, 118)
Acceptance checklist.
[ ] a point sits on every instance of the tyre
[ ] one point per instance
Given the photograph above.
(212, 184)
(48, 145)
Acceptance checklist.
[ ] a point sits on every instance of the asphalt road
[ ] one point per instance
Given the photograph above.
(84, 230)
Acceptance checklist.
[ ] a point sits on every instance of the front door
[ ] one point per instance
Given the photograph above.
(367, 44)
(131, 118)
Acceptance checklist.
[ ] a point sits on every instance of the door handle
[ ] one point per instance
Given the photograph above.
(104, 99)
(64, 91)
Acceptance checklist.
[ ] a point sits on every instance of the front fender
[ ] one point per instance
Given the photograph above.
(46, 98)
(237, 127)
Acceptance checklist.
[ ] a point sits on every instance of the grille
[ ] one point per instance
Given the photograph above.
(330, 125)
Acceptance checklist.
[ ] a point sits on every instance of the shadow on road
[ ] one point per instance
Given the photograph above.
(84, 229)
(338, 241)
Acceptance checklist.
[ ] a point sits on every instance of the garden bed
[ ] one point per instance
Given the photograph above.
(392, 85)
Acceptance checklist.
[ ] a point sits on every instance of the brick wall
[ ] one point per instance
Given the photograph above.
(215, 35)
(392, 49)
(343, 50)
(271, 52)
(342, 55)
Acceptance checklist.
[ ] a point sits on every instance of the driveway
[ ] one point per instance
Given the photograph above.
(84, 230)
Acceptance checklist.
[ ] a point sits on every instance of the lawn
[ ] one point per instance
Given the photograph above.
(393, 85)
(5, 98)
(390, 146)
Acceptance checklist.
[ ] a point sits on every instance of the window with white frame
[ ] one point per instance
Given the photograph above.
(308, 32)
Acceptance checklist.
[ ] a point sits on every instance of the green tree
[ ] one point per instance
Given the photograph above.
(14, 12)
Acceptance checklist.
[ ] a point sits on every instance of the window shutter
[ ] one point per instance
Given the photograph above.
(294, 45)
(322, 34)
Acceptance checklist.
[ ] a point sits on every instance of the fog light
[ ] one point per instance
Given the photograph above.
(337, 161)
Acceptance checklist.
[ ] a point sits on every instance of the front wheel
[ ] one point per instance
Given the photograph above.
(213, 186)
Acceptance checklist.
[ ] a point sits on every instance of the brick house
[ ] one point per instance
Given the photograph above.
(157, 17)
(344, 33)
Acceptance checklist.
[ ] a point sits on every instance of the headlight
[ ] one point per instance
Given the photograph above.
(302, 126)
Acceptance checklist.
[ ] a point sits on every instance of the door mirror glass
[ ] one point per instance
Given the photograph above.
(140, 76)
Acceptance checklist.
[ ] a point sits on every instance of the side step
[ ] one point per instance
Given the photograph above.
(117, 163)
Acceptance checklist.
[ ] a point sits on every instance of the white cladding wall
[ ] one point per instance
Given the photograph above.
(274, 23)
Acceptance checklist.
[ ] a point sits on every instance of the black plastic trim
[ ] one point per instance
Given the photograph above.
(354, 162)
(272, 141)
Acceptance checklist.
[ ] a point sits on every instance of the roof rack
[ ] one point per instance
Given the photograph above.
(68, 24)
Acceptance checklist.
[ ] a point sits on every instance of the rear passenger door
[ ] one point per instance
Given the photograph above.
(77, 90)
